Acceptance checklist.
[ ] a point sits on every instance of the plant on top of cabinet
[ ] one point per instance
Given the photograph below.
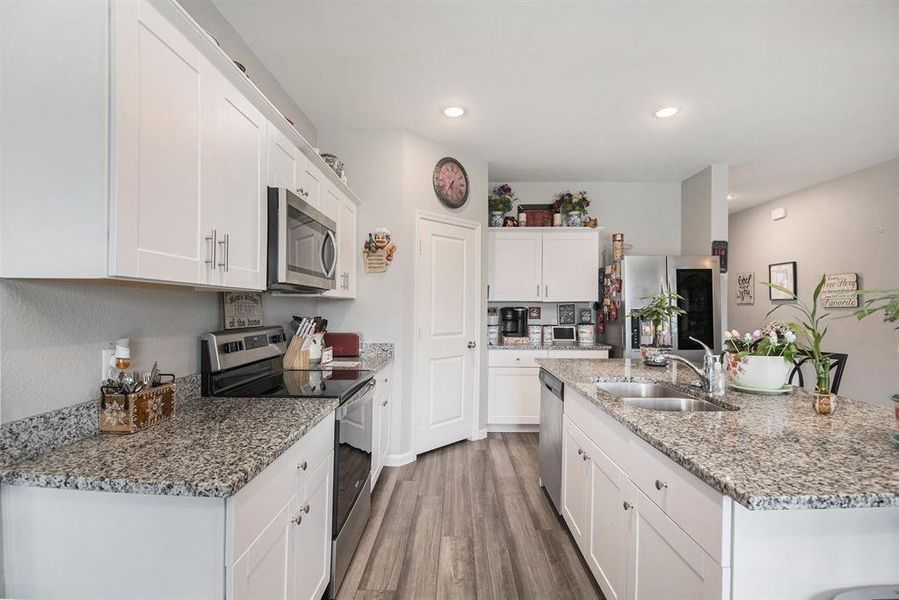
(661, 309)
(575, 205)
(499, 202)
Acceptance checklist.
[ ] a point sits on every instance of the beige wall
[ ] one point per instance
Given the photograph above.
(850, 224)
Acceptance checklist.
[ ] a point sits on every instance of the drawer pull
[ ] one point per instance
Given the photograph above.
(305, 509)
(580, 451)
(628, 505)
(384, 403)
(302, 466)
(660, 485)
(585, 457)
(298, 519)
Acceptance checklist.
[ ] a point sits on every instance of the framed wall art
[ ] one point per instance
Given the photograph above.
(534, 313)
(745, 288)
(567, 314)
(784, 275)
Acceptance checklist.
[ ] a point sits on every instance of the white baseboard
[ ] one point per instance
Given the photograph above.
(509, 428)
(398, 460)
(480, 434)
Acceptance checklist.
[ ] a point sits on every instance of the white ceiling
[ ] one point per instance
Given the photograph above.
(787, 93)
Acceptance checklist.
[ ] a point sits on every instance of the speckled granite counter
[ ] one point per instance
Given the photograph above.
(374, 357)
(212, 447)
(595, 346)
(772, 453)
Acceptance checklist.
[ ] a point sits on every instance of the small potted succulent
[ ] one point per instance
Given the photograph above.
(499, 202)
(574, 205)
(660, 310)
(761, 360)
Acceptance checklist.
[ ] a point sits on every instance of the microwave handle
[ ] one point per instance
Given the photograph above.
(328, 271)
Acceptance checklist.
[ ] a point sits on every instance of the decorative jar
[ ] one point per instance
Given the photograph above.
(496, 218)
(574, 219)
(824, 403)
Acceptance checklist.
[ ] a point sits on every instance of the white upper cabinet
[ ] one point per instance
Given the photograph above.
(234, 186)
(543, 265)
(515, 266)
(344, 214)
(157, 141)
(175, 150)
(571, 266)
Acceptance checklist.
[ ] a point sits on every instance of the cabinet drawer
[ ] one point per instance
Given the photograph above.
(254, 506)
(609, 435)
(578, 354)
(698, 509)
(514, 358)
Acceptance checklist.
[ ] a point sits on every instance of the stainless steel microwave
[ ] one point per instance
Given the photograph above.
(302, 247)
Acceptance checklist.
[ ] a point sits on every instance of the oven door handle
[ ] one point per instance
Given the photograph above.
(365, 395)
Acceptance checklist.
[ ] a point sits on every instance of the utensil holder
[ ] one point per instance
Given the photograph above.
(129, 413)
(297, 356)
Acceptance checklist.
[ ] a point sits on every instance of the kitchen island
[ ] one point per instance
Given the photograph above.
(765, 499)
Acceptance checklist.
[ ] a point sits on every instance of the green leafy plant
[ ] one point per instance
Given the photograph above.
(661, 307)
(571, 202)
(810, 329)
(501, 198)
(880, 300)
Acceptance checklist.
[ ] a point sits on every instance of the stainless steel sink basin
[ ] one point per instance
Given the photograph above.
(673, 404)
(656, 396)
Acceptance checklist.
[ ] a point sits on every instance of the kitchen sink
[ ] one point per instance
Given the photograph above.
(656, 396)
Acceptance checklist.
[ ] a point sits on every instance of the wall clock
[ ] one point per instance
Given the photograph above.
(451, 182)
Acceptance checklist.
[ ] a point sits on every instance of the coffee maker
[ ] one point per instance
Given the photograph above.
(514, 321)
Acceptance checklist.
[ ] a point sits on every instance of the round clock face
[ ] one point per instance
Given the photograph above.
(451, 182)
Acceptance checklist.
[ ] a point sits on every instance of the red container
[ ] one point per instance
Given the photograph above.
(344, 344)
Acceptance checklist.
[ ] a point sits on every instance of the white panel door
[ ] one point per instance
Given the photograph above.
(570, 266)
(241, 198)
(576, 483)
(609, 529)
(514, 266)
(261, 572)
(310, 181)
(158, 78)
(310, 553)
(664, 562)
(448, 290)
(284, 161)
(513, 396)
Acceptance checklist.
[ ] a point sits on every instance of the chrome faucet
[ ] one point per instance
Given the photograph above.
(708, 375)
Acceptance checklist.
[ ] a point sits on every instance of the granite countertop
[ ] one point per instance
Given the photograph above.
(374, 357)
(772, 453)
(550, 346)
(212, 447)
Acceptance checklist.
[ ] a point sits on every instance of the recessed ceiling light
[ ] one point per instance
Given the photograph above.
(731, 196)
(454, 111)
(666, 112)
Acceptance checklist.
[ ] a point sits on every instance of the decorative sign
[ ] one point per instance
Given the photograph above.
(585, 316)
(838, 291)
(534, 313)
(566, 314)
(242, 309)
(378, 251)
(745, 288)
(719, 249)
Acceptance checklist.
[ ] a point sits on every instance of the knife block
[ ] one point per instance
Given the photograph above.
(297, 356)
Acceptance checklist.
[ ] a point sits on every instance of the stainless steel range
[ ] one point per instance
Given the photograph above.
(246, 363)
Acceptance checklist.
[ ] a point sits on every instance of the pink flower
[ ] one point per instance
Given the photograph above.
(757, 334)
(735, 333)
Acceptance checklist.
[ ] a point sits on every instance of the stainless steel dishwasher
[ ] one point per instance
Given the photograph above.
(551, 391)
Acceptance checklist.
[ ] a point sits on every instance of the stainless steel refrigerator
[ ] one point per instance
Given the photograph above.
(695, 278)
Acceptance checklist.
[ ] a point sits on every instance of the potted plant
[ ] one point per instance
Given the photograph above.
(810, 330)
(575, 205)
(883, 300)
(499, 202)
(660, 310)
(761, 359)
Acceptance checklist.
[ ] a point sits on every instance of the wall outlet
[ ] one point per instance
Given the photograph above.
(778, 213)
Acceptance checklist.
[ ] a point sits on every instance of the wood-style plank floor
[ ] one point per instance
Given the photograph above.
(467, 521)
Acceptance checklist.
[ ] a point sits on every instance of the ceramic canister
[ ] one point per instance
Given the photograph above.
(493, 335)
(535, 334)
(585, 334)
(547, 334)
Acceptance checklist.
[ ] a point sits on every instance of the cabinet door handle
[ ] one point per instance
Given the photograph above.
(210, 253)
(225, 243)
(579, 451)
(488, 290)
(661, 485)
(384, 403)
(298, 519)
(305, 509)
(538, 290)
(546, 291)
(628, 505)
(302, 466)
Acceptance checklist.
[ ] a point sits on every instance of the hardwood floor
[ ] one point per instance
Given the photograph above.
(467, 521)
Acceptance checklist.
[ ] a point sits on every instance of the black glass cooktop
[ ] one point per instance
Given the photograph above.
(336, 383)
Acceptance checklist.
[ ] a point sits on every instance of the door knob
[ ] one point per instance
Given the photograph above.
(472, 344)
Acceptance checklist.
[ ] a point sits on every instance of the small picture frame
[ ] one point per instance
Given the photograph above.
(746, 288)
(585, 316)
(784, 275)
(567, 314)
(534, 313)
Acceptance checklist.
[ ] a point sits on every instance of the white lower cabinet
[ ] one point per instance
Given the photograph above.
(309, 566)
(381, 423)
(262, 571)
(633, 548)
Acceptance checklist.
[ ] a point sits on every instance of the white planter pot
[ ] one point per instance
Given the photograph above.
(761, 372)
